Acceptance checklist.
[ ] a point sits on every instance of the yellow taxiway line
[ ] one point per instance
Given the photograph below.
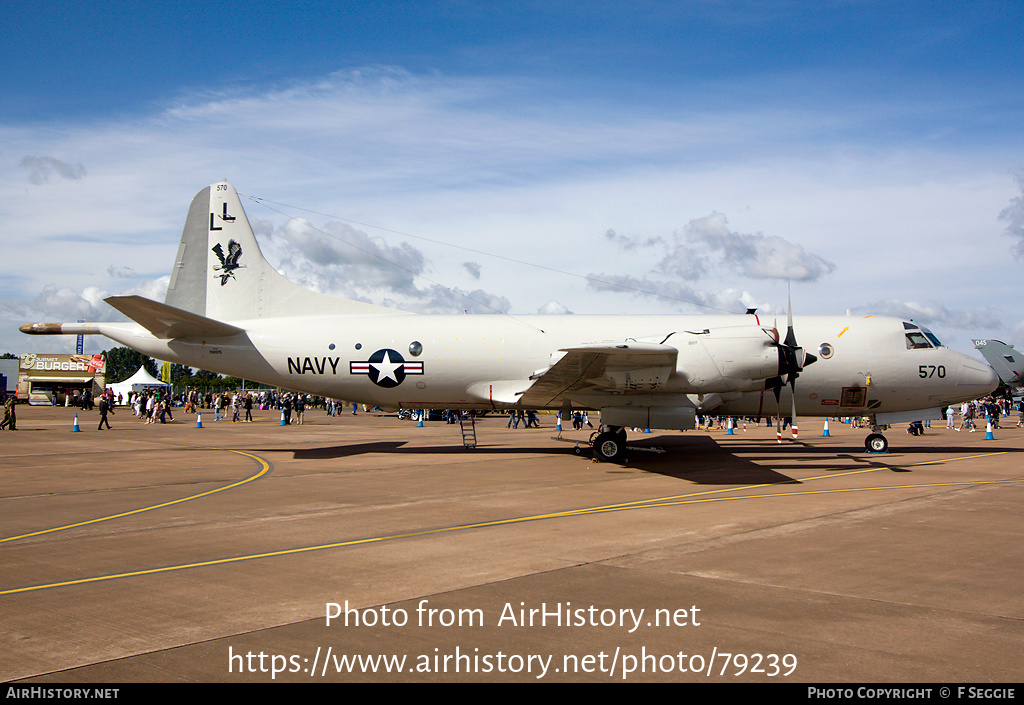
(265, 469)
(691, 498)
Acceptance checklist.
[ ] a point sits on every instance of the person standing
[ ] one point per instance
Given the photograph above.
(286, 407)
(10, 415)
(105, 408)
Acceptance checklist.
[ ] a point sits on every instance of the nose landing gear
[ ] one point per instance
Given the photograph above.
(876, 443)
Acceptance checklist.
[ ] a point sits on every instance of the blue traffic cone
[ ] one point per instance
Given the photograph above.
(825, 433)
(988, 432)
(729, 430)
(282, 418)
(199, 420)
(558, 421)
(419, 424)
(75, 428)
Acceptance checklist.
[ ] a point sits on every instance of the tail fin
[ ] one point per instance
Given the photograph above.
(1005, 360)
(220, 273)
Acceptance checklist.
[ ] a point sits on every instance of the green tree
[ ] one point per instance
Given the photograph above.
(206, 377)
(122, 363)
(180, 373)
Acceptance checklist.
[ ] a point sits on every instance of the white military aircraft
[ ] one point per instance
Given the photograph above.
(227, 310)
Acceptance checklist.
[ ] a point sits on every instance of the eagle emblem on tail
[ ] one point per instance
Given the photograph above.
(229, 263)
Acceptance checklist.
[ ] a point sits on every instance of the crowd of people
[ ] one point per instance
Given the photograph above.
(157, 406)
(989, 410)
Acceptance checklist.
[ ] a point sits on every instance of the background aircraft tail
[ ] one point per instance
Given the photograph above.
(220, 273)
(1005, 360)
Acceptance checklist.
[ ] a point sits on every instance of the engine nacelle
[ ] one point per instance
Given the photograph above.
(725, 359)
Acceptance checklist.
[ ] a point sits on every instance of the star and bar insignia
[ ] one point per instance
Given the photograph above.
(386, 368)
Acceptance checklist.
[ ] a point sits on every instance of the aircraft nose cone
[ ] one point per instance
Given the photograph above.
(976, 378)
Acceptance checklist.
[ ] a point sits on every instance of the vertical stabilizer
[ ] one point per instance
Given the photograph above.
(220, 273)
(187, 288)
(1005, 360)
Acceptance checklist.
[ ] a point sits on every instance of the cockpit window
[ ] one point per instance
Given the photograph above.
(931, 337)
(917, 340)
(919, 337)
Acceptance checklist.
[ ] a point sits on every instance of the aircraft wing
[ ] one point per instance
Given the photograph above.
(166, 322)
(629, 366)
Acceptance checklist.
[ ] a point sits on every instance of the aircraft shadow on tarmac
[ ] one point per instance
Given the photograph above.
(702, 460)
(898, 459)
(698, 459)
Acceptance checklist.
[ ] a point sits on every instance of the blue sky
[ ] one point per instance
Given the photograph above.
(867, 152)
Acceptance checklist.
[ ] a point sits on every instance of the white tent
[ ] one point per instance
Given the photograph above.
(138, 382)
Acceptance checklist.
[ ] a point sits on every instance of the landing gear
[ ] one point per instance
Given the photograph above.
(876, 443)
(610, 445)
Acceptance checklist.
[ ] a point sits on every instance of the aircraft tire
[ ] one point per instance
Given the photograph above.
(610, 447)
(876, 443)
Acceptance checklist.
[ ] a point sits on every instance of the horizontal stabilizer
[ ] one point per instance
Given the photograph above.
(165, 321)
(61, 329)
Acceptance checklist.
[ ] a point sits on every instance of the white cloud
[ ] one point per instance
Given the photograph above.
(441, 299)
(1013, 216)
(685, 262)
(154, 289)
(681, 296)
(339, 258)
(40, 169)
(936, 313)
(65, 304)
(553, 308)
(630, 243)
(753, 255)
(121, 272)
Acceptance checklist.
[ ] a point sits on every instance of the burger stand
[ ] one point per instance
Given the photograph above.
(49, 379)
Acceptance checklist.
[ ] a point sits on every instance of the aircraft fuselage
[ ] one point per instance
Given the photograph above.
(487, 361)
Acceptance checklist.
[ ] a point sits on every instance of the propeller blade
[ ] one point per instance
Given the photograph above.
(778, 412)
(792, 386)
(792, 360)
(790, 333)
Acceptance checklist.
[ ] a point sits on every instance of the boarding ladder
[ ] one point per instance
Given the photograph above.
(468, 424)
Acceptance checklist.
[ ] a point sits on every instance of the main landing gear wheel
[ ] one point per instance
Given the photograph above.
(876, 443)
(610, 446)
